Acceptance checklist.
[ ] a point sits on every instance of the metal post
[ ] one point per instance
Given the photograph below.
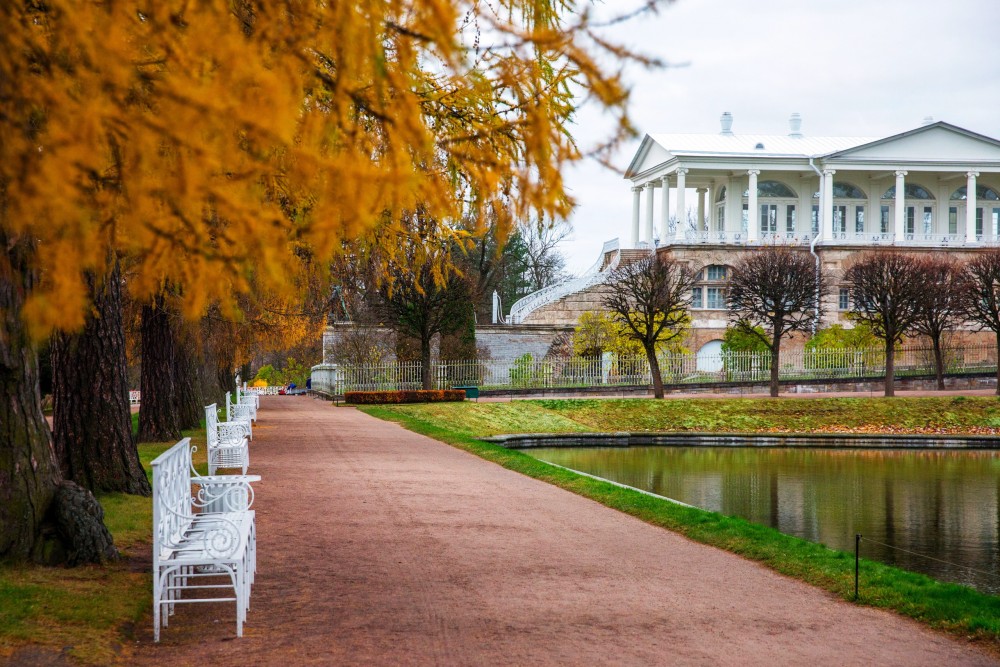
(857, 550)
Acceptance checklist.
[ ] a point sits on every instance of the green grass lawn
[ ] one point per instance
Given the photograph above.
(957, 609)
(953, 415)
(88, 611)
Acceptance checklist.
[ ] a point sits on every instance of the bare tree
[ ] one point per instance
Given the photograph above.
(773, 292)
(545, 265)
(980, 295)
(885, 290)
(939, 307)
(648, 299)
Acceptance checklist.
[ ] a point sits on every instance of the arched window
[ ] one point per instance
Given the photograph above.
(911, 191)
(982, 193)
(772, 189)
(722, 194)
(847, 191)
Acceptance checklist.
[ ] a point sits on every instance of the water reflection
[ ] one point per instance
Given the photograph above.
(939, 503)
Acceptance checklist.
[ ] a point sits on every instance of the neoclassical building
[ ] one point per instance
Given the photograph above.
(908, 189)
(704, 197)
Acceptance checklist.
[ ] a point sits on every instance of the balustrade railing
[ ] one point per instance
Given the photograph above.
(922, 240)
(594, 275)
(680, 368)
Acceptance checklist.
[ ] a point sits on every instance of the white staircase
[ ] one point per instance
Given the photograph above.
(595, 275)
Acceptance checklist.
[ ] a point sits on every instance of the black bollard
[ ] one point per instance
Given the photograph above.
(857, 549)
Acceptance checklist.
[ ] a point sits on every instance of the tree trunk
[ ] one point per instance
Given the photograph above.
(890, 367)
(187, 388)
(654, 371)
(938, 362)
(157, 412)
(92, 420)
(425, 362)
(775, 356)
(30, 479)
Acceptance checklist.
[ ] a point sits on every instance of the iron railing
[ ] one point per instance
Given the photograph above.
(681, 368)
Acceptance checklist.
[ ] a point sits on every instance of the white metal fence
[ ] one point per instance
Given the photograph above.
(568, 372)
(270, 390)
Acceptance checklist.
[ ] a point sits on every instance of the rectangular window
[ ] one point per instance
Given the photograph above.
(720, 216)
(859, 219)
(911, 213)
(884, 220)
(768, 218)
(928, 220)
(746, 218)
(996, 223)
(953, 220)
(979, 222)
(815, 219)
(716, 298)
(790, 219)
(696, 298)
(716, 272)
(839, 219)
(844, 299)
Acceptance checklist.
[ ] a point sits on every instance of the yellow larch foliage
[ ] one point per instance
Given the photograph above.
(205, 140)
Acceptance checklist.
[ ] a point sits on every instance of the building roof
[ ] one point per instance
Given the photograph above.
(937, 143)
(745, 144)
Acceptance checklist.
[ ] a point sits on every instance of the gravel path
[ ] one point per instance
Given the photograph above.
(380, 546)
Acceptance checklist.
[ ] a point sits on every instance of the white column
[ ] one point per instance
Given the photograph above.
(873, 221)
(803, 220)
(665, 210)
(734, 206)
(710, 208)
(826, 225)
(681, 212)
(702, 222)
(899, 225)
(753, 215)
(647, 233)
(970, 207)
(635, 215)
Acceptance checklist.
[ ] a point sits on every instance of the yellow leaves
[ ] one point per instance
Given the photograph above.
(204, 140)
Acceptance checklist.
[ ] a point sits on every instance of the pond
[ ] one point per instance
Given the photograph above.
(942, 504)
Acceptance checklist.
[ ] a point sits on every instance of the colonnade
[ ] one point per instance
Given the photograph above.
(732, 217)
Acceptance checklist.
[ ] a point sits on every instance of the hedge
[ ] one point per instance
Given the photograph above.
(415, 396)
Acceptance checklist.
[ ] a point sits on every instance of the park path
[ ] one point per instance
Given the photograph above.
(379, 546)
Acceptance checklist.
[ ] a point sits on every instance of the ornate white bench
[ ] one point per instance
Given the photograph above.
(240, 413)
(253, 400)
(228, 446)
(199, 551)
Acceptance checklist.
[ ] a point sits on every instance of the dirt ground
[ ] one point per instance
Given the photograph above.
(379, 546)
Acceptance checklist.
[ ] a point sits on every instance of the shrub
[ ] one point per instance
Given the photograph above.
(413, 396)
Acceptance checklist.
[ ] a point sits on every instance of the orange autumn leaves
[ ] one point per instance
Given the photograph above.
(206, 141)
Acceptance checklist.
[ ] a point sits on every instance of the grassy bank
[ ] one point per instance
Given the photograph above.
(87, 612)
(953, 608)
(947, 415)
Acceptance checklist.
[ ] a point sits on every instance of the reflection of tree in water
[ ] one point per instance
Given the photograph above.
(939, 503)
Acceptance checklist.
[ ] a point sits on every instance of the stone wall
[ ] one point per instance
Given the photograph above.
(493, 341)
(512, 341)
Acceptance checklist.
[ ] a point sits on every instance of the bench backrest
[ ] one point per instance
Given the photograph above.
(241, 411)
(171, 496)
(212, 425)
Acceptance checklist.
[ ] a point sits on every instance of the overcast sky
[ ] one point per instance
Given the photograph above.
(850, 67)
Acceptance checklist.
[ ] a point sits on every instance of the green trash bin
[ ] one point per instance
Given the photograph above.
(471, 391)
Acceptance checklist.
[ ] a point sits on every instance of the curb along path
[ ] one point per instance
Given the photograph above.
(380, 546)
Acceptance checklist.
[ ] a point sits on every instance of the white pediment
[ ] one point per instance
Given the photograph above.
(938, 143)
(649, 156)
